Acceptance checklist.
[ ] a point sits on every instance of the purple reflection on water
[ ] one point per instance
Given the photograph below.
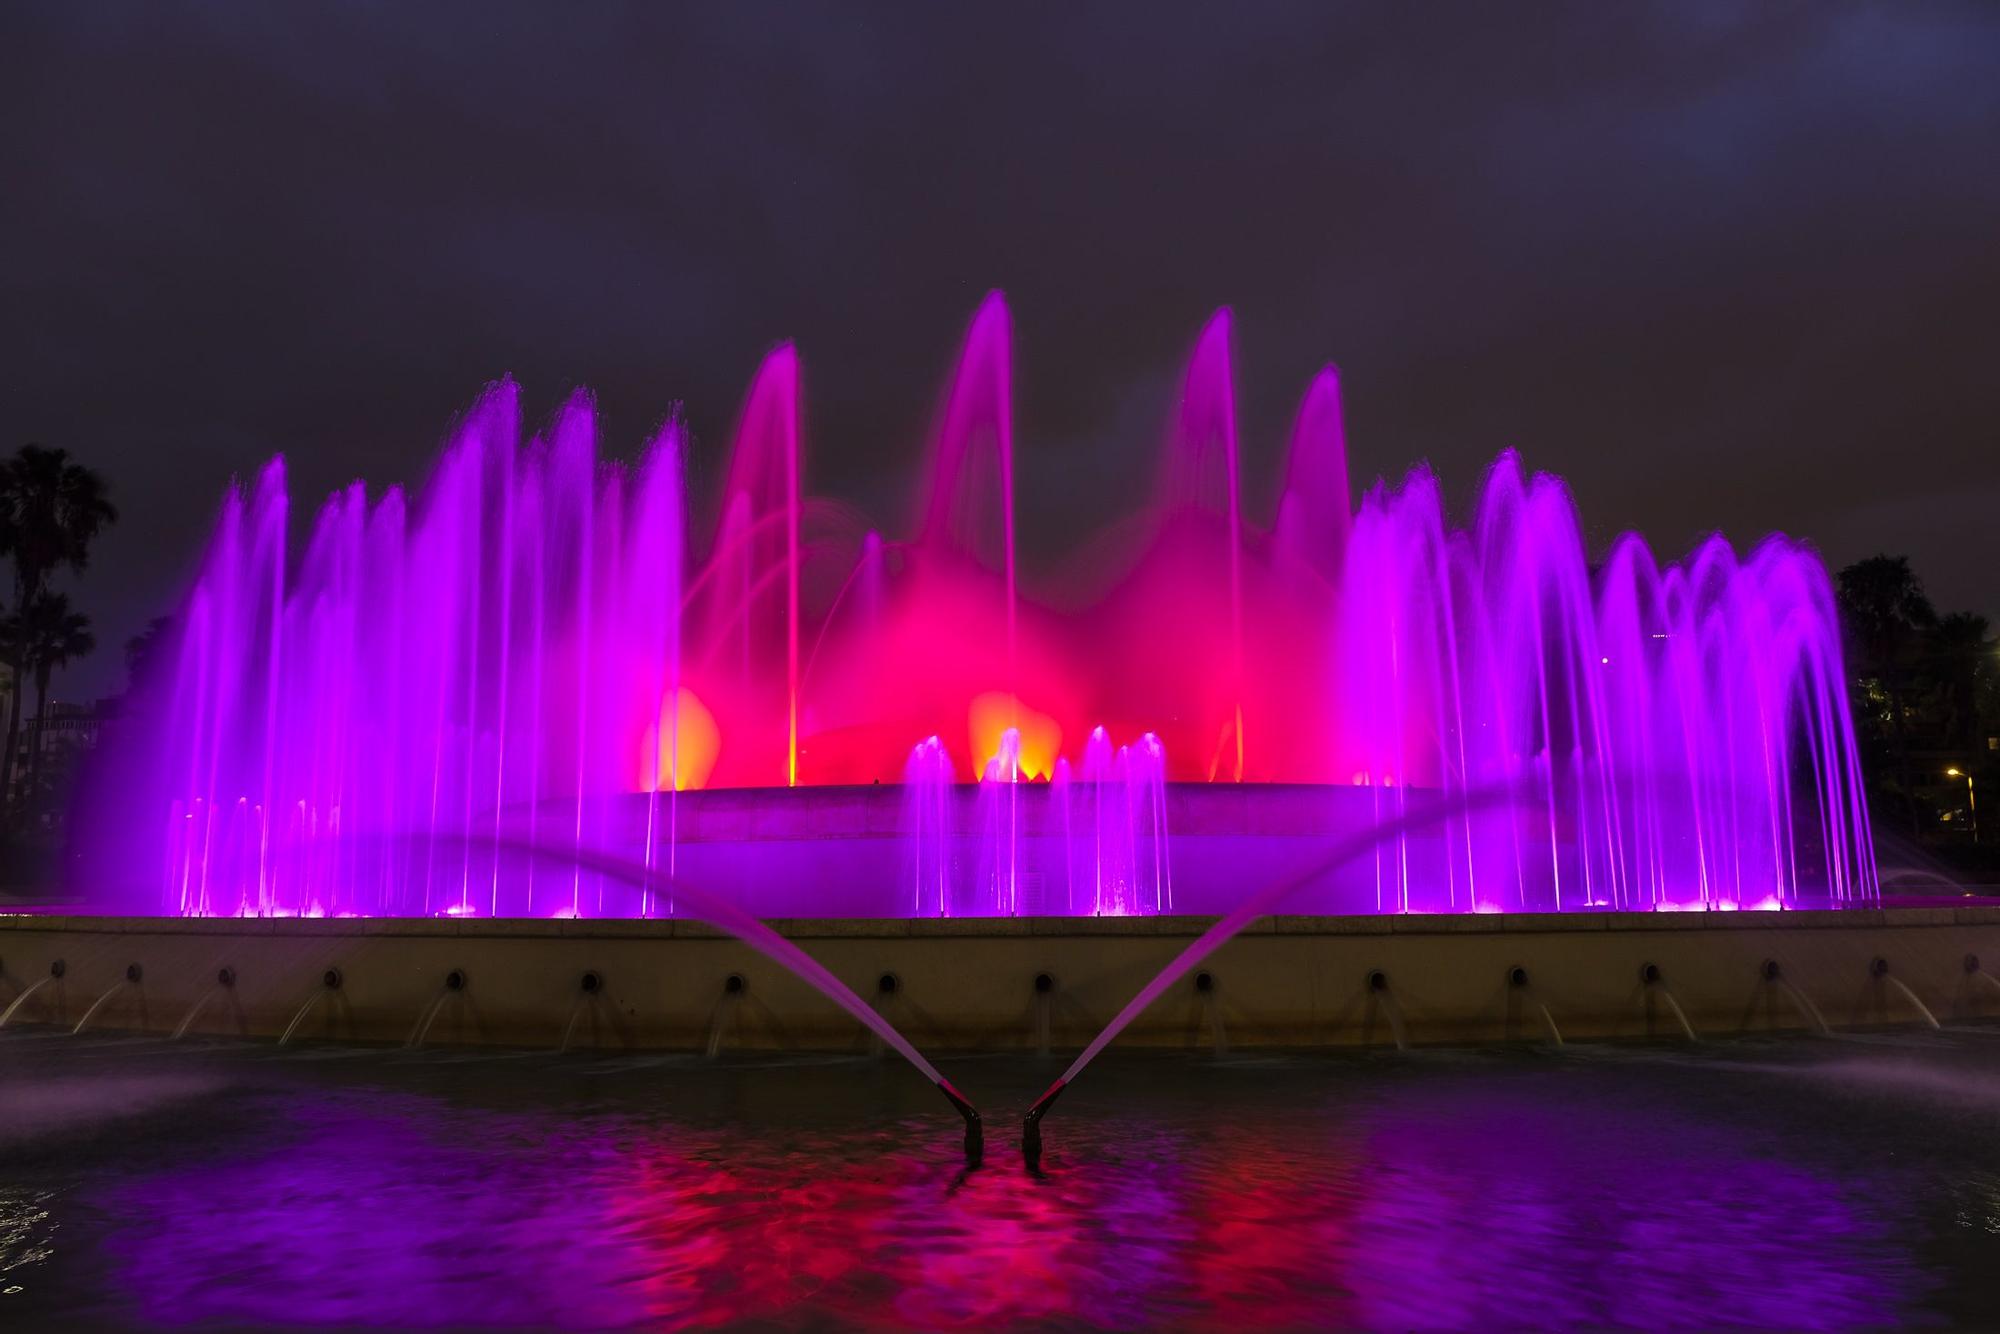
(1593, 1213)
(373, 1216)
(1455, 1203)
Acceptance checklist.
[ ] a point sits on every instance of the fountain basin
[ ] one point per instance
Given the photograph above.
(969, 983)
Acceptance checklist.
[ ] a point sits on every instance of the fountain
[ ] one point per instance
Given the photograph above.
(554, 716)
(757, 691)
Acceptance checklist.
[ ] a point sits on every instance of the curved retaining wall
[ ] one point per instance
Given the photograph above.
(970, 983)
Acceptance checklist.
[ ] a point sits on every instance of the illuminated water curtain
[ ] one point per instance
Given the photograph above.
(825, 718)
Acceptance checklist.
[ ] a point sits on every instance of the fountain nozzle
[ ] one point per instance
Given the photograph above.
(975, 1130)
(1031, 1126)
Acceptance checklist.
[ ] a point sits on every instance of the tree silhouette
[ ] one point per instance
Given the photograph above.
(48, 635)
(51, 510)
(1886, 613)
(1958, 658)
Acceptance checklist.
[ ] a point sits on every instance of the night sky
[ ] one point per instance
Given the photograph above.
(1730, 266)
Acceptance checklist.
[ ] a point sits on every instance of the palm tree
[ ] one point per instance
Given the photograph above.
(51, 510)
(48, 635)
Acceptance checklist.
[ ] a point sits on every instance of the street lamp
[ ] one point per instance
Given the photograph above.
(1971, 808)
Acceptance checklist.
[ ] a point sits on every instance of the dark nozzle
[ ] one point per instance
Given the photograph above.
(592, 983)
(1031, 1126)
(225, 977)
(1044, 983)
(888, 984)
(1878, 967)
(455, 980)
(733, 984)
(975, 1130)
(331, 979)
(1649, 973)
(1517, 976)
(1204, 981)
(133, 972)
(1771, 971)
(1378, 980)
(1972, 963)
(58, 968)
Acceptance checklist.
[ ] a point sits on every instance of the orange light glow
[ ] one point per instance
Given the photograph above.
(682, 755)
(992, 713)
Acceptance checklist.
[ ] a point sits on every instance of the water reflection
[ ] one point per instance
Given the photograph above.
(1450, 1201)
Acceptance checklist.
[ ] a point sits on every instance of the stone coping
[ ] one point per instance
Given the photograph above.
(1401, 924)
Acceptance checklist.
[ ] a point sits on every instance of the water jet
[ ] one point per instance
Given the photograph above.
(1652, 983)
(225, 982)
(1878, 970)
(54, 978)
(1377, 983)
(1517, 980)
(452, 988)
(1771, 972)
(589, 991)
(133, 974)
(814, 715)
(1043, 1005)
(653, 677)
(330, 983)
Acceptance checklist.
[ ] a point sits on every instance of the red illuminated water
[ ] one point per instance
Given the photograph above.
(1763, 1185)
(548, 647)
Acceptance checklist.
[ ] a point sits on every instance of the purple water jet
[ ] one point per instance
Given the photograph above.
(548, 646)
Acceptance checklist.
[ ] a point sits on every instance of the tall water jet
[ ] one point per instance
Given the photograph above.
(665, 711)
(970, 506)
(750, 591)
(1202, 477)
(1314, 508)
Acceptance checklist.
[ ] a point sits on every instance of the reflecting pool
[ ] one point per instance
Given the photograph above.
(1775, 1184)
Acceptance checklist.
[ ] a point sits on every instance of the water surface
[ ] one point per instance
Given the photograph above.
(1776, 1184)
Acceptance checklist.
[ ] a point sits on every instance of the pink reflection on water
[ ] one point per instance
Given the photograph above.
(1453, 1205)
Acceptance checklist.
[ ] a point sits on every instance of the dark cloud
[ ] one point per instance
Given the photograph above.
(1720, 265)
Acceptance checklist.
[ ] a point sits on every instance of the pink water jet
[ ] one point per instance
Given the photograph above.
(566, 652)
